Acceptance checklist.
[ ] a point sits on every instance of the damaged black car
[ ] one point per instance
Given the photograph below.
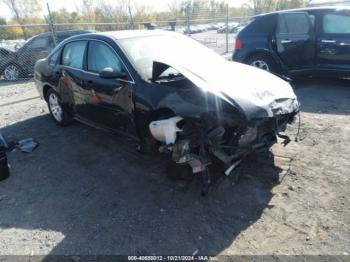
(168, 91)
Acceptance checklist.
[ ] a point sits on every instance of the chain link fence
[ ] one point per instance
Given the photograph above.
(22, 45)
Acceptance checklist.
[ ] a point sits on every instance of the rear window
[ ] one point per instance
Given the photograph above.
(337, 23)
(293, 23)
(262, 25)
(40, 42)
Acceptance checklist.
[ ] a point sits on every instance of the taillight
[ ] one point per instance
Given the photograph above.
(238, 44)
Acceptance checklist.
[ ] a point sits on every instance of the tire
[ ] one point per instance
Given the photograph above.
(12, 72)
(264, 62)
(57, 111)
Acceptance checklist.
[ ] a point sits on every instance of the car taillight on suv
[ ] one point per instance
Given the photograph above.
(238, 44)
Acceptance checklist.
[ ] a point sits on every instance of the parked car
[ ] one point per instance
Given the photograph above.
(18, 63)
(194, 29)
(169, 101)
(309, 41)
(239, 27)
(231, 28)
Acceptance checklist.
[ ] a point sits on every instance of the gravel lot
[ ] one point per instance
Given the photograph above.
(83, 191)
(215, 41)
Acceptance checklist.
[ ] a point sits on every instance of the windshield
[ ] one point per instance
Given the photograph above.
(170, 49)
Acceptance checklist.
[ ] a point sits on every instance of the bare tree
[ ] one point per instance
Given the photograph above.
(174, 9)
(22, 9)
(262, 6)
(86, 9)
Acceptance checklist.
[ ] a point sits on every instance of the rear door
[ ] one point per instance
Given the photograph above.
(295, 40)
(333, 43)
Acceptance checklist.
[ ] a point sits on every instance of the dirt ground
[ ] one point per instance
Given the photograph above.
(83, 191)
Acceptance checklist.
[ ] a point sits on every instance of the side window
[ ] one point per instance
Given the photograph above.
(54, 58)
(41, 42)
(73, 54)
(293, 23)
(263, 25)
(101, 56)
(336, 23)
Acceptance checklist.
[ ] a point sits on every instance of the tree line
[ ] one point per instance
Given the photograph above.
(122, 13)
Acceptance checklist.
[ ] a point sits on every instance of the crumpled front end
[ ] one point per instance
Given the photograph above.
(197, 142)
(240, 116)
(228, 143)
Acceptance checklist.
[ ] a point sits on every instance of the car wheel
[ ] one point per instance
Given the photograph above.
(263, 62)
(57, 111)
(12, 72)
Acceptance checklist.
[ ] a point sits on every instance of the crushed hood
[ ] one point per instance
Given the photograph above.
(254, 91)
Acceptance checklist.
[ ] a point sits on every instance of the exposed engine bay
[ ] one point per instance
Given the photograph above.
(197, 141)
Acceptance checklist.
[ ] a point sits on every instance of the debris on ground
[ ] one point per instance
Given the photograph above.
(27, 145)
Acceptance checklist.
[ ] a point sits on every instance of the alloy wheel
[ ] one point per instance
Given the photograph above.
(11, 73)
(55, 107)
(260, 64)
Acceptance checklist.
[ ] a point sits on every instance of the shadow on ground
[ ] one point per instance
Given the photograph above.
(106, 198)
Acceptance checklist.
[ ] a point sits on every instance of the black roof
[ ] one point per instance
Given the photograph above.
(67, 32)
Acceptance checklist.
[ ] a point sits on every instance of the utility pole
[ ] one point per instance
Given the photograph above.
(131, 19)
(51, 25)
(227, 29)
(188, 27)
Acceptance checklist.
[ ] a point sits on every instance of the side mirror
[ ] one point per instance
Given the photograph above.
(109, 73)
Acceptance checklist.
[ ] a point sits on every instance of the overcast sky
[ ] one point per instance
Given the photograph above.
(70, 5)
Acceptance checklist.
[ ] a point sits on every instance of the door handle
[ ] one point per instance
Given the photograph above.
(328, 41)
(286, 41)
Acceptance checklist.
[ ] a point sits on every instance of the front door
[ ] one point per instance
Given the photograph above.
(72, 75)
(295, 40)
(109, 100)
(334, 40)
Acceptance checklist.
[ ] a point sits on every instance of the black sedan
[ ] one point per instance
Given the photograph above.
(168, 91)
